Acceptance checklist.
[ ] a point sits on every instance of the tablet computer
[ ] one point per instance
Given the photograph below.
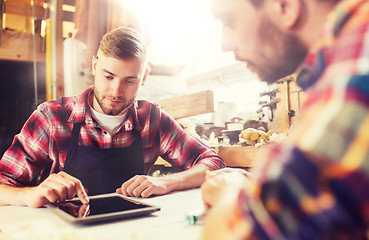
(104, 207)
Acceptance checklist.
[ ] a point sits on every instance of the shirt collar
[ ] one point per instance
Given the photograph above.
(81, 113)
(133, 117)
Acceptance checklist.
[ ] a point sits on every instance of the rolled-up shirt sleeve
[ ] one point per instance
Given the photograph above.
(28, 154)
(183, 150)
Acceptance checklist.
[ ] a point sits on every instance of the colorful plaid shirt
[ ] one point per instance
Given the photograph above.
(44, 139)
(316, 184)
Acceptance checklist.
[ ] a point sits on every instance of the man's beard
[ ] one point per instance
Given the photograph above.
(291, 52)
(107, 109)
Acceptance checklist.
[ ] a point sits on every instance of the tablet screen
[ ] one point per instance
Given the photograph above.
(100, 208)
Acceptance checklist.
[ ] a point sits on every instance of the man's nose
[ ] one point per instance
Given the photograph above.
(116, 87)
(228, 44)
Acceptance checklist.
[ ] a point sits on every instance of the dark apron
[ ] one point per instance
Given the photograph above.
(103, 170)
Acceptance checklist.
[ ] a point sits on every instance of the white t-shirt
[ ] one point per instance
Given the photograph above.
(112, 124)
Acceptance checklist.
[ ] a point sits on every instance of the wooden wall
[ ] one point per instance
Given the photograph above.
(17, 41)
(290, 98)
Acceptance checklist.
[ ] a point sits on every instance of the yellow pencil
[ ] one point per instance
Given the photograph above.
(209, 173)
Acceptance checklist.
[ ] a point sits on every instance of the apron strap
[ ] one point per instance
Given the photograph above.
(137, 135)
(73, 144)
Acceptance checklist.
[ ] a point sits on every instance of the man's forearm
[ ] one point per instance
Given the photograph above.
(191, 178)
(57, 187)
(10, 195)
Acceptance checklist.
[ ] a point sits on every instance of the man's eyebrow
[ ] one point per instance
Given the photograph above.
(132, 77)
(128, 77)
(107, 71)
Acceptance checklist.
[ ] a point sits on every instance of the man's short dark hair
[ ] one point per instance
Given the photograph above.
(256, 2)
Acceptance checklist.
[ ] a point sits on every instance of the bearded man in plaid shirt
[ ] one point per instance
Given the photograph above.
(315, 184)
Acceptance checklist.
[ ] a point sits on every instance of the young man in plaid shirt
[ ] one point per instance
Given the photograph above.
(103, 140)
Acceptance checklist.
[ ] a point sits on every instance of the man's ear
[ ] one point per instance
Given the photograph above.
(93, 65)
(289, 12)
(147, 72)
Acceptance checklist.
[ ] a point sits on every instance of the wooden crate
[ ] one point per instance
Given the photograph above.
(240, 156)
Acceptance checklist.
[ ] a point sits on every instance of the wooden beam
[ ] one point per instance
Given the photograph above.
(283, 120)
(291, 98)
(68, 16)
(70, 2)
(2, 8)
(59, 49)
(189, 105)
(18, 46)
(24, 9)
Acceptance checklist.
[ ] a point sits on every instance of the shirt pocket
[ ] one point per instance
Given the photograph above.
(150, 154)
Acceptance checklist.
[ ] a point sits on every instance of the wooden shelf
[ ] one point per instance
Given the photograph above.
(18, 46)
